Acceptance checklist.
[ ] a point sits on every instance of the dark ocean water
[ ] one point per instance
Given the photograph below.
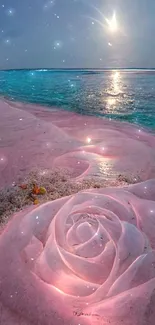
(124, 95)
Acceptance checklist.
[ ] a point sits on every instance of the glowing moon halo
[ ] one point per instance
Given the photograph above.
(112, 23)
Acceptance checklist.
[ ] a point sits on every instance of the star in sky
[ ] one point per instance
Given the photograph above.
(10, 12)
(76, 33)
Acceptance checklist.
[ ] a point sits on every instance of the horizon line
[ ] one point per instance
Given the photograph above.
(79, 69)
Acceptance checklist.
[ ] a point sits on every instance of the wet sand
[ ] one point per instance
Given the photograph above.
(65, 153)
(37, 137)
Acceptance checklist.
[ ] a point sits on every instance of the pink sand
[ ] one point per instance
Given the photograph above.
(87, 259)
(32, 136)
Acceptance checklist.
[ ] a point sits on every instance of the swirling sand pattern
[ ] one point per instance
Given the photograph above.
(87, 259)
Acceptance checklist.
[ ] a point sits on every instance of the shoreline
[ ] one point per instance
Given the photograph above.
(34, 137)
(33, 107)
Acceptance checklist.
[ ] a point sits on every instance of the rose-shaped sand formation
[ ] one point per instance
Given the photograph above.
(32, 136)
(87, 259)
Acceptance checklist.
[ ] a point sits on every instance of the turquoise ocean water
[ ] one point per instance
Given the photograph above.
(127, 95)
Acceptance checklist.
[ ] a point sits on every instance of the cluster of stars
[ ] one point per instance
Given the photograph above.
(50, 7)
(57, 45)
(9, 11)
(49, 4)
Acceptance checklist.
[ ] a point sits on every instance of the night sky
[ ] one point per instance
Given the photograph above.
(75, 34)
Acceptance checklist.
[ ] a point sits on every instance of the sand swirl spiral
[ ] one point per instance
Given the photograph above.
(84, 259)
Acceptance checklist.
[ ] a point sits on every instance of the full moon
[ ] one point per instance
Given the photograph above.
(112, 23)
